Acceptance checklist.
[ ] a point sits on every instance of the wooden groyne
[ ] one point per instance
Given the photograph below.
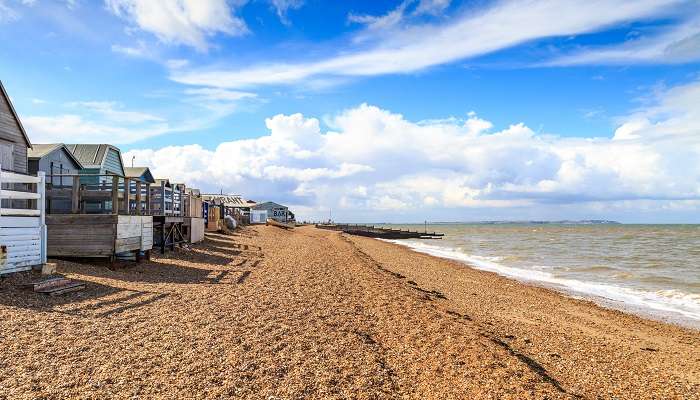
(378, 232)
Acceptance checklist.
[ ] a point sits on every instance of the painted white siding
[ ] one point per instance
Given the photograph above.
(22, 231)
(20, 242)
(258, 216)
(196, 230)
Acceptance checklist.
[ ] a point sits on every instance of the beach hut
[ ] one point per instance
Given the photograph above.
(274, 211)
(233, 205)
(193, 215)
(166, 208)
(98, 159)
(58, 164)
(22, 228)
(100, 221)
(140, 181)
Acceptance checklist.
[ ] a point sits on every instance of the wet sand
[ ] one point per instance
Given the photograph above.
(269, 313)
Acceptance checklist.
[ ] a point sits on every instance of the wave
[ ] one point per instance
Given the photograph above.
(671, 303)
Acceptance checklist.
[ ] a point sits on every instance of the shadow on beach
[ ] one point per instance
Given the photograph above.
(217, 260)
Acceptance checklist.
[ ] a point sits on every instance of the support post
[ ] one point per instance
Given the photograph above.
(41, 204)
(127, 196)
(138, 197)
(148, 199)
(162, 200)
(115, 194)
(75, 195)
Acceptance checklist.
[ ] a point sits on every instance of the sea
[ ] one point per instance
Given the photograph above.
(650, 270)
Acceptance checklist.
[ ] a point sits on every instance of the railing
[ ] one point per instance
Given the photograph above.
(98, 194)
(116, 194)
(22, 218)
(36, 196)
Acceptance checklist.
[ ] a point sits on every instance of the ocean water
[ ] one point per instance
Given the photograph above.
(652, 270)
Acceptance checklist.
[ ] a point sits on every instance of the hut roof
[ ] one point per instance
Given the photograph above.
(268, 204)
(91, 155)
(139, 172)
(227, 200)
(40, 150)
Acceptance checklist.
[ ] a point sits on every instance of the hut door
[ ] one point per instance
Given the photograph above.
(7, 158)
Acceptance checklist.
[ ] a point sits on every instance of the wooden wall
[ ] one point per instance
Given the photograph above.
(113, 163)
(11, 134)
(81, 235)
(95, 235)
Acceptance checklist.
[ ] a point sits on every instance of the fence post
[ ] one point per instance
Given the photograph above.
(41, 190)
(75, 195)
(138, 197)
(127, 196)
(115, 195)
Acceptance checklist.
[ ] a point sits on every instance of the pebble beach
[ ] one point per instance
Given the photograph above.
(273, 314)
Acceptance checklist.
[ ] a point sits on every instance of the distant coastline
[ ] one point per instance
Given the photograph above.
(506, 222)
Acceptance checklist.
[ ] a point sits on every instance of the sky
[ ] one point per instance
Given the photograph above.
(379, 111)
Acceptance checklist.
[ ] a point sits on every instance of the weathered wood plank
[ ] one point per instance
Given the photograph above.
(82, 219)
(9, 177)
(19, 222)
(19, 212)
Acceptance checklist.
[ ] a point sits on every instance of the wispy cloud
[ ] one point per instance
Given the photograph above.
(416, 47)
(678, 45)
(113, 111)
(140, 49)
(7, 13)
(282, 7)
(187, 22)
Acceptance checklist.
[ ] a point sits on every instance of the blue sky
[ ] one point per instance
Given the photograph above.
(381, 110)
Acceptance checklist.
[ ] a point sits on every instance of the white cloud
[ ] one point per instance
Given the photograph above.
(113, 111)
(218, 94)
(678, 45)
(416, 47)
(76, 128)
(187, 22)
(283, 6)
(434, 7)
(7, 13)
(111, 122)
(100, 122)
(373, 159)
(139, 50)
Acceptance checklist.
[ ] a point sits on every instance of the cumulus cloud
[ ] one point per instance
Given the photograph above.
(373, 159)
(418, 46)
(187, 22)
